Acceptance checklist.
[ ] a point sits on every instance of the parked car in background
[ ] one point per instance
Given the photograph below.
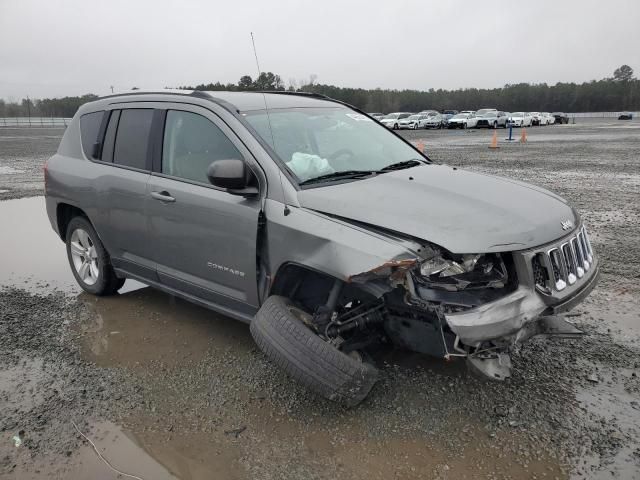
(413, 122)
(561, 117)
(548, 119)
(536, 118)
(492, 119)
(447, 114)
(377, 115)
(435, 120)
(463, 120)
(391, 120)
(482, 111)
(470, 112)
(625, 116)
(519, 119)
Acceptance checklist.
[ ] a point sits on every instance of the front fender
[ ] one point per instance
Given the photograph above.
(329, 245)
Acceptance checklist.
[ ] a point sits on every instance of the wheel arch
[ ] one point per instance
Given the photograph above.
(65, 212)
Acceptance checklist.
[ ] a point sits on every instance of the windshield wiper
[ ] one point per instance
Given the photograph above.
(344, 174)
(402, 165)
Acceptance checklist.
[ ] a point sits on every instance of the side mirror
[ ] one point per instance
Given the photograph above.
(231, 175)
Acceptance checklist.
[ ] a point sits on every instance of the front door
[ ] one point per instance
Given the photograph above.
(203, 239)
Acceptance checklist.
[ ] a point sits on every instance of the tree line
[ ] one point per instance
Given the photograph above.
(617, 93)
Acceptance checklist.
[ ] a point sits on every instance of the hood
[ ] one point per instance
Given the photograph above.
(461, 211)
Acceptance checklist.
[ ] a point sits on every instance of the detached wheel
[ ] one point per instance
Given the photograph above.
(279, 330)
(89, 260)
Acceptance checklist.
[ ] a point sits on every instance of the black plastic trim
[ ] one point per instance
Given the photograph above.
(156, 138)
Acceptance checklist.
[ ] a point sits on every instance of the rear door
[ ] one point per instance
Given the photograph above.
(203, 238)
(121, 189)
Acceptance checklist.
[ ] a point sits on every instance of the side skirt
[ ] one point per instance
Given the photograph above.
(246, 318)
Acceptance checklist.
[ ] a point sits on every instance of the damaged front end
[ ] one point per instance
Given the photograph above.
(477, 306)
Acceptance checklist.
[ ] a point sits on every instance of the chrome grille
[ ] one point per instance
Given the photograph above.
(564, 264)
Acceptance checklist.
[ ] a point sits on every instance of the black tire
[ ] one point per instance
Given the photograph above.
(107, 283)
(395, 126)
(308, 359)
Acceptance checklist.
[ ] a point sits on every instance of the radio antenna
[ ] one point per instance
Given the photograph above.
(264, 97)
(255, 53)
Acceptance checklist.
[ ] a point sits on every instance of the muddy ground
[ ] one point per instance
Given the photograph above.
(168, 390)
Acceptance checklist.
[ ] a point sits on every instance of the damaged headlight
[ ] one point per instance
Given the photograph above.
(446, 268)
(464, 271)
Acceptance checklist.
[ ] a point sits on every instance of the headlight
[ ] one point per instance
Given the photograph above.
(446, 268)
(464, 271)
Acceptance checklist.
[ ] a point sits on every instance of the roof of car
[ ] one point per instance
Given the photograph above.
(241, 101)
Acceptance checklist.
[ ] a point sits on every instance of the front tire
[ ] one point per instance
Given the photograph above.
(89, 260)
(284, 338)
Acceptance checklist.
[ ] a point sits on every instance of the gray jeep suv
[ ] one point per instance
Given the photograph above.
(325, 231)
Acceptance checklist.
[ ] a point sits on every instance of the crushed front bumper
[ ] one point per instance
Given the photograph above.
(509, 315)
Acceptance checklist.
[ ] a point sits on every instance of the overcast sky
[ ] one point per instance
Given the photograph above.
(70, 47)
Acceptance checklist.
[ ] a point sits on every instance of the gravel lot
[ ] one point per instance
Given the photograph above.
(167, 390)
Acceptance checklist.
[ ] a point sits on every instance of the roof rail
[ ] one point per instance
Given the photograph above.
(301, 94)
(167, 91)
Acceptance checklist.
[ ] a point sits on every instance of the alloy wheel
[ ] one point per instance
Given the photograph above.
(84, 256)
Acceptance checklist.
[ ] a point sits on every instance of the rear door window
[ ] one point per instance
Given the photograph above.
(132, 139)
(89, 129)
(191, 143)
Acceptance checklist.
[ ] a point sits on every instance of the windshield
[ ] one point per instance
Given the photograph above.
(460, 115)
(318, 141)
(517, 114)
(483, 111)
(415, 117)
(487, 114)
(393, 116)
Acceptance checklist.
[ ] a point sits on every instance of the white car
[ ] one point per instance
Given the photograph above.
(536, 118)
(393, 119)
(413, 122)
(463, 120)
(435, 120)
(520, 119)
(470, 112)
(377, 115)
(548, 119)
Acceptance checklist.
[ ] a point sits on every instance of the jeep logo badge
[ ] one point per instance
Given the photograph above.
(566, 225)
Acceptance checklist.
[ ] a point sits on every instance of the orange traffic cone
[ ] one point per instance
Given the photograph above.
(523, 137)
(420, 146)
(494, 140)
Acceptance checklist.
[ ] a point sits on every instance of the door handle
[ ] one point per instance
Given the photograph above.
(163, 196)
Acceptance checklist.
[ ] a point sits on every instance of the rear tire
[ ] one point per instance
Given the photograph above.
(89, 260)
(307, 358)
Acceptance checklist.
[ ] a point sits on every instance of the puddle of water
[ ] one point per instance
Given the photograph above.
(120, 449)
(32, 256)
(131, 330)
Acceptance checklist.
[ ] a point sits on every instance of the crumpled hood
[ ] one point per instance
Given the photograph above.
(462, 211)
